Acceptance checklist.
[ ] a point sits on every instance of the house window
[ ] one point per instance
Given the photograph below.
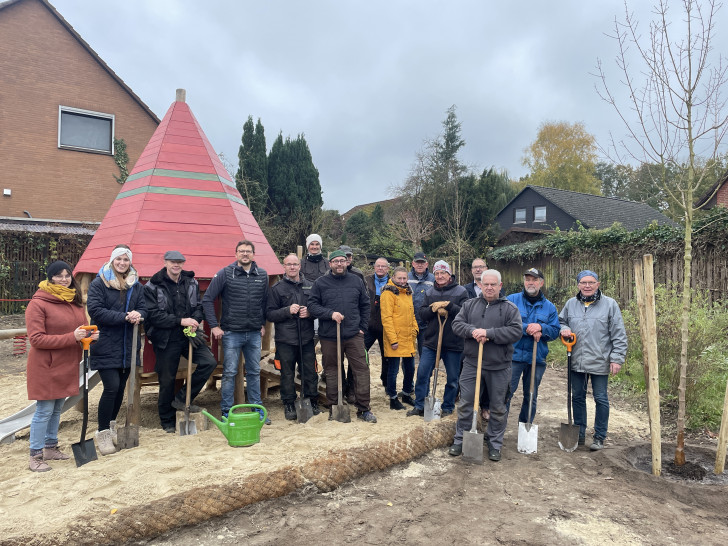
(85, 130)
(539, 214)
(520, 216)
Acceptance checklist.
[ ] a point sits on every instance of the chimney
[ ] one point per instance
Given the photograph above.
(181, 95)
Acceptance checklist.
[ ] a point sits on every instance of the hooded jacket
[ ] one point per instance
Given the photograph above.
(52, 368)
(108, 311)
(398, 320)
(600, 334)
(164, 315)
(285, 293)
(502, 322)
(456, 295)
(543, 312)
(343, 293)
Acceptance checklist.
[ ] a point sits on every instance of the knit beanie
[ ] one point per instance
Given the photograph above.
(441, 265)
(56, 267)
(313, 237)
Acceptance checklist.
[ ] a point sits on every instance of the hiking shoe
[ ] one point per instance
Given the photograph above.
(418, 412)
(180, 406)
(366, 416)
(52, 453)
(597, 444)
(169, 429)
(407, 399)
(582, 441)
(315, 407)
(289, 411)
(37, 464)
(445, 412)
(395, 404)
(494, 454)
(455, 450)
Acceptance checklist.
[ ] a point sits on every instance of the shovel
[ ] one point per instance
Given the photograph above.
(85, 450)
(569, 433)
(473, 440)
(128, 435)
(340, 412)
(431, 401)
(188, 427)
(304, 411)
(527, 432)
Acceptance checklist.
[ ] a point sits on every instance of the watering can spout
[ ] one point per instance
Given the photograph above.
(222, 425)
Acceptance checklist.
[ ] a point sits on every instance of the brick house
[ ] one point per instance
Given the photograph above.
(61, 107)
(716, 196)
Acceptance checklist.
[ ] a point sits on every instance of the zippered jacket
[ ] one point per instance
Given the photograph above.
(285, 293)
(343, 293)
(456, 295)
(244, 298)
(544, 313)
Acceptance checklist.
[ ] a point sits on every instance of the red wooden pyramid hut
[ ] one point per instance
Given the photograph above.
(178, 197)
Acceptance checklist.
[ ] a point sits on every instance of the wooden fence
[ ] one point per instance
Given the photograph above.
(23, 259)
(616, 273)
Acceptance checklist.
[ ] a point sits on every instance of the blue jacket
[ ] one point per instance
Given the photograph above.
(544, 312)
(419, 286)
(108, 311)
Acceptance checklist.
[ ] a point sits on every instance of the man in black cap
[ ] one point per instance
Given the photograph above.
(173, 303)
(420, 280)
(540, 325)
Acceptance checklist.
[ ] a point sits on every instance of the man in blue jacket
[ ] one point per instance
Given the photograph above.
(243, 290)
(540, 325)
(420, 280)
(341, 298)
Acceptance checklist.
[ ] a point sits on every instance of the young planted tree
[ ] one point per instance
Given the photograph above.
(675, 114)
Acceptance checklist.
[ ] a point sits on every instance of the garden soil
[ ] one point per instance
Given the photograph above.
(545, 498)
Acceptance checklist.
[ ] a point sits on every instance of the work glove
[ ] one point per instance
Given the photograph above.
(439, 305)
(442, 312)
(199, 340)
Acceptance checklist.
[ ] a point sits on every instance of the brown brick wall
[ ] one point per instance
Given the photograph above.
(44, 66)
(722, 195)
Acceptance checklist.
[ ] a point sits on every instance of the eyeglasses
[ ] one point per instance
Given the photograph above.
(292, 265)
(244, 251)
(338, 261)
(63, 277)
(588, 283)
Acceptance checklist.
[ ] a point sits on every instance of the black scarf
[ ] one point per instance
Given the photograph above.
(589, 299)
(532, 299)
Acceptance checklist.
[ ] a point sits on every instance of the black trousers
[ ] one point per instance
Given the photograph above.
(167, 362)
(290, 356)
(114, 381)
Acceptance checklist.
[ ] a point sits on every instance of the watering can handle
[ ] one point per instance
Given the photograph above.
(569, 344)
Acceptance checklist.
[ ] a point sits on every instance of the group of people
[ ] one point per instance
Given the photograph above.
(318, 300)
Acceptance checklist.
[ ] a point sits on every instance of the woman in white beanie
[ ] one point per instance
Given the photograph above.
(115, 303)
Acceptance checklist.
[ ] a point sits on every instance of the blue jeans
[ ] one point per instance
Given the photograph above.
(233, 343)
(524, 368)
(408, 370)
(424, 372)
(578, 402)
(44, 425)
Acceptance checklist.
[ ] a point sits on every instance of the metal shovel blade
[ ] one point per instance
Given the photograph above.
(128, 436)
(186, 425)
(84, 452)
(527, 438)
(304, 411)
(569, 437)
(430, 413)
(473, 447)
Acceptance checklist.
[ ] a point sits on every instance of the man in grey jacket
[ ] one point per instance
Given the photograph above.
(495, 322)
(601, 347)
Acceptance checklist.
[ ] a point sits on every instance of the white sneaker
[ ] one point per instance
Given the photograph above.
(104, 443)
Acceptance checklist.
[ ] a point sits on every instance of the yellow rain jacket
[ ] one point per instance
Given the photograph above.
(398, 320)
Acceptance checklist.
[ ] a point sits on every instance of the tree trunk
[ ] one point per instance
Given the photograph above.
(684, 323)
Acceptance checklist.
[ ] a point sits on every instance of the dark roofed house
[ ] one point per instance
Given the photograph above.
(716, 196)
(537, 210)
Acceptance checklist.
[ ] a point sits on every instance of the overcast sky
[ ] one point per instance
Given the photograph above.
(366, 82)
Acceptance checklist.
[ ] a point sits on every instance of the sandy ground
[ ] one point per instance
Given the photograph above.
(572, 498)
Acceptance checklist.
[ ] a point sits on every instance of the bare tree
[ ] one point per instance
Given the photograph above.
(675, 115)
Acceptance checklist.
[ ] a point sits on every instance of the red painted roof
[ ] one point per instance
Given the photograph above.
(178, 197)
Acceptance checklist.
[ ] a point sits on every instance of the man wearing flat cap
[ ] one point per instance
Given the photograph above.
(173, 303)
(600, 350)
(540, 325)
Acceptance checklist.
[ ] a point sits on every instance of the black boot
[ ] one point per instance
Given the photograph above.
(289, 411)
(395, 404)
(315, 407)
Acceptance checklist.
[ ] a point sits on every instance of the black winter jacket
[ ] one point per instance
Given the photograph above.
(284, 294)
(244, 297)
(456, 295)
(163, 315)
(343, 293)
(375, 313)
(108, 311)
(314, 266)
(502, 321)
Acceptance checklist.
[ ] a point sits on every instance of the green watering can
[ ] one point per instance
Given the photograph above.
(241, 429)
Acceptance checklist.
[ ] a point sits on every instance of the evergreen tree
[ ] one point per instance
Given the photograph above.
(251, 178)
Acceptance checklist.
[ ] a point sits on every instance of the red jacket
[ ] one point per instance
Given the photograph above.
(54, 352)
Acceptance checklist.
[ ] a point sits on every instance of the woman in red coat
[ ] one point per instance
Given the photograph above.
(53, 318)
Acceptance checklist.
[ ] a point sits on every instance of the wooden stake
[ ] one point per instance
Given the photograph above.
(653, 392)
(722, 437)
(639, 287)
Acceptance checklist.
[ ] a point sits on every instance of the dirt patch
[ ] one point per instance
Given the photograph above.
(699, 468)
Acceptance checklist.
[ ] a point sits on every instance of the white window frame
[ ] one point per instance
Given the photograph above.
(100, 115)
(515, 215)
(536, 217)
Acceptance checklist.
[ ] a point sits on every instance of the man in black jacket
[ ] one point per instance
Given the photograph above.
(341, 298)
(441, 302)
(287, 307)
(495, 322)
(374, 283)
(243, 290)
(314, 264)
(172, 298)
